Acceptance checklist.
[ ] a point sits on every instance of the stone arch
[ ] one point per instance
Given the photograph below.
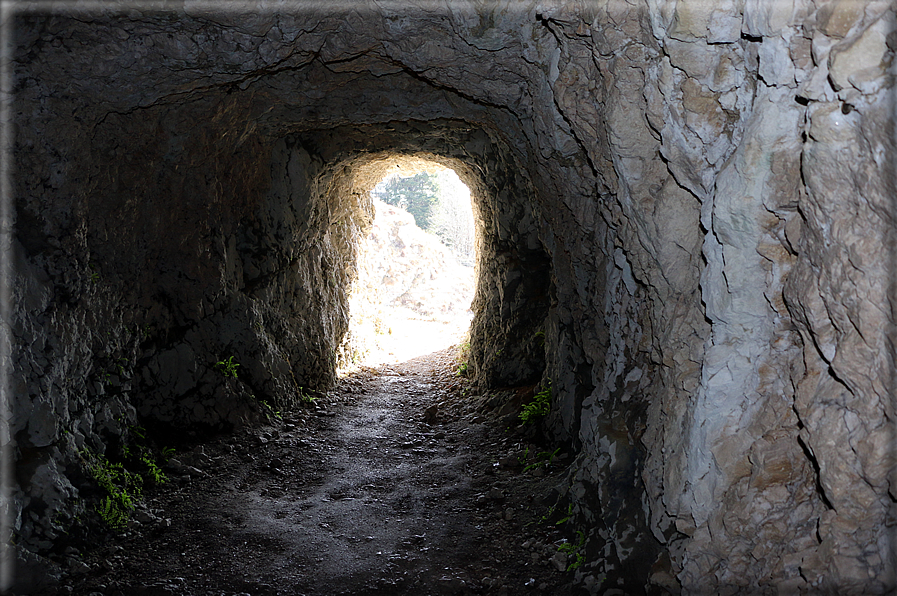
(513, 269)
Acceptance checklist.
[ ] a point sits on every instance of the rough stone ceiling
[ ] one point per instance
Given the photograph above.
(692, 207)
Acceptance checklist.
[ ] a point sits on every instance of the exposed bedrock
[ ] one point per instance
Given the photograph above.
(685, 216)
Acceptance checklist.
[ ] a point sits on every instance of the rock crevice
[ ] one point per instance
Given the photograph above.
(685, 224)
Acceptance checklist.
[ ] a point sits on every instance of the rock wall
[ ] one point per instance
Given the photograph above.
(160, 267)
(685, 224)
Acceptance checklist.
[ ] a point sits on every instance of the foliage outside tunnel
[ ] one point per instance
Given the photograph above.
(440, 204)
(415, 279)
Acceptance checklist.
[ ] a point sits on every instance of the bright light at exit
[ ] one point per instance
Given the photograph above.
(416, 271)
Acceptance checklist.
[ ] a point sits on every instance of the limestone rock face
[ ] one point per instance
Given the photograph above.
(685, 215)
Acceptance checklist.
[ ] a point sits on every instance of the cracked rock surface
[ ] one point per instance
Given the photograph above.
(685, 226)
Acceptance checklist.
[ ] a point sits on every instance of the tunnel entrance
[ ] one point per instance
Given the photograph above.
(416, 267)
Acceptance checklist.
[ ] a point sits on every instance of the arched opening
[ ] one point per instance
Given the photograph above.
(325, 177)
(416, 275)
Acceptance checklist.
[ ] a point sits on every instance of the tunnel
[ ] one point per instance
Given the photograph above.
(684, 220)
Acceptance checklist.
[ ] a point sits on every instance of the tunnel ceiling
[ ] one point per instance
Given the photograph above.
(682, 215)
(313, 69)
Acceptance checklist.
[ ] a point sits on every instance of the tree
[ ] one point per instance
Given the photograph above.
(417, 194)
(452, 221)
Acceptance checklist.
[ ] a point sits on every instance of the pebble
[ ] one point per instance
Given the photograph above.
(495, 495)
(176, 466)
(197, 460)
(451, 585)
(78, 567)
(144, 517)
(559, 561)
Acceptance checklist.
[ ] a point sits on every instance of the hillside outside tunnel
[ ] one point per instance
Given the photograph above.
(415, 272)
(680, 217)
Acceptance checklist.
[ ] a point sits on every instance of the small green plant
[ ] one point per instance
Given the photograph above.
(539, 337)
(539, 407)
(153, 471)
(574, 550)
(567, 517)
(543, 459)
(227, 367)
(140, 456)
(270, 411)
(123, 489)
(94, 274)
(168, 453)
(123, 486)
(550, 513)
(463, 359)
(306, 397)
(113, 514)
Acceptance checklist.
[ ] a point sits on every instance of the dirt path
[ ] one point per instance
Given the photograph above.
(394, 484)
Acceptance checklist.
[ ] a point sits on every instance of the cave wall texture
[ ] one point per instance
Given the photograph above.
(690, 200)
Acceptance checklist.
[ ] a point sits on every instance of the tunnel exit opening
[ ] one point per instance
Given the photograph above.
(416, 267)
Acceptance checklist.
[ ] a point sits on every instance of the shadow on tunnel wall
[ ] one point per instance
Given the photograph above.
(242, 251)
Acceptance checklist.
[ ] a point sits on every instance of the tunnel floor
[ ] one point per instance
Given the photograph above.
(395, 483)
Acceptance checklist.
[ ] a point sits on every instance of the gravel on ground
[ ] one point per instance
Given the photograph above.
(400, 481)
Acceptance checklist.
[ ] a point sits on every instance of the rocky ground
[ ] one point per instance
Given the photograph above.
(397, 482)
